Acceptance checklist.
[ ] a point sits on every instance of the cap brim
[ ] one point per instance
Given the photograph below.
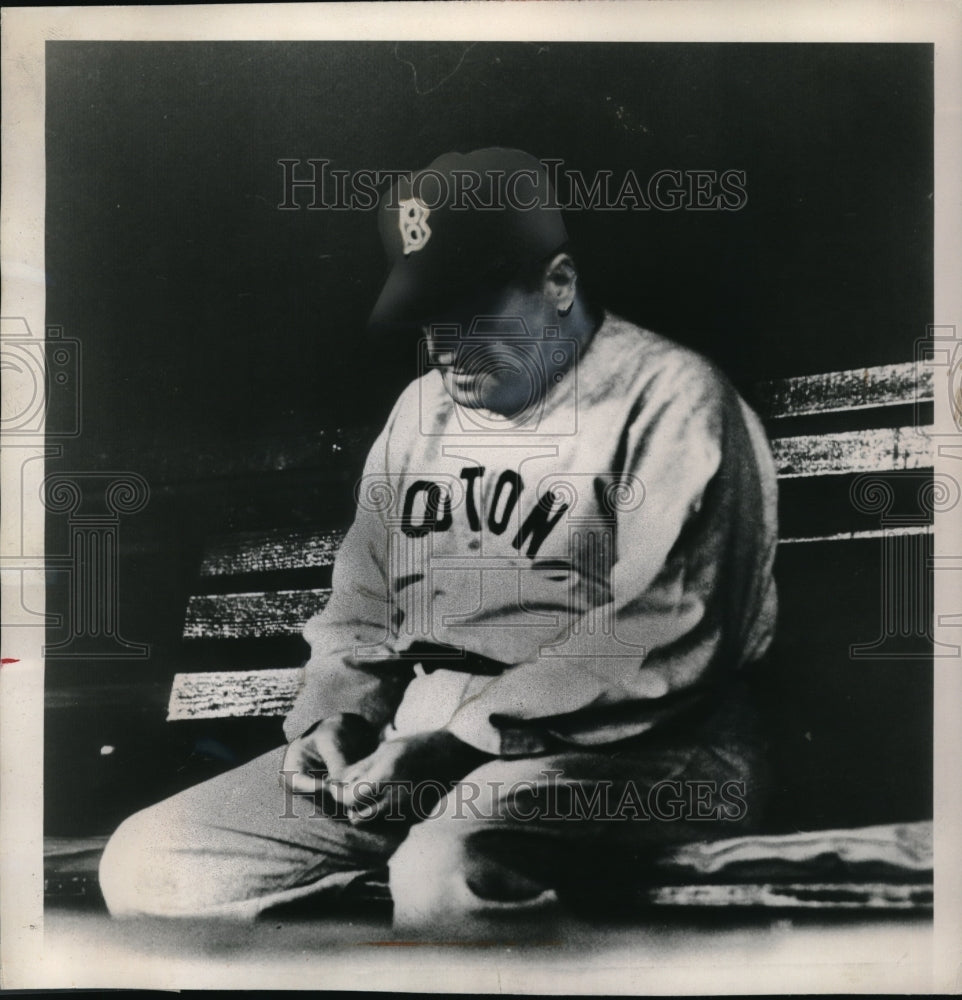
(410, 297)
(403, 300)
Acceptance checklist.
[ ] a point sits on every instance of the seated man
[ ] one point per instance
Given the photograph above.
(529, 677)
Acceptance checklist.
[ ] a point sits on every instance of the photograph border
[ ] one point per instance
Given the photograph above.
(877, 960)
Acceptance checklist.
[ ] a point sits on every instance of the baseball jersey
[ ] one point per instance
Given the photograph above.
(576, 576)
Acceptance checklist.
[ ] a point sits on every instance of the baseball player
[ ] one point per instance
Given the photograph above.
(530, 677)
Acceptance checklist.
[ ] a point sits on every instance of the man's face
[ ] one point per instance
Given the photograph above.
(493, 354)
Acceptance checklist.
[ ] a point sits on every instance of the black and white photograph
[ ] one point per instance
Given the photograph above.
(481, 497)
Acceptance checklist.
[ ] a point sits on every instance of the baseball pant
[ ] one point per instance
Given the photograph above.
(559, 833)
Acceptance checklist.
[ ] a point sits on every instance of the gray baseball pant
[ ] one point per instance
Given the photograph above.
(556, 833)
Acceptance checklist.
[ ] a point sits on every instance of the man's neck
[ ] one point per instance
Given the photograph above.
(581, 324)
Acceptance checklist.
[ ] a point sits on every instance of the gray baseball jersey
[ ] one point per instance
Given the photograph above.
(579, 576)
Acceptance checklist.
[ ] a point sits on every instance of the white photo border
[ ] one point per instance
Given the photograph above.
(874, 960)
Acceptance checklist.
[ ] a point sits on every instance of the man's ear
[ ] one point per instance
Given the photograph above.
(560, 282)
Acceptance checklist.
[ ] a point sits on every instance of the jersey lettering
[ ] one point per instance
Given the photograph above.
(427, 508)
(436, 513)
(471, 475)
(509, 486)
(538, 524)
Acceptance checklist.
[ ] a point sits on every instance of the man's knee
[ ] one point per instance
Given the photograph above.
(463, 860)
(165, 861)
(444, 877)
(138, 869)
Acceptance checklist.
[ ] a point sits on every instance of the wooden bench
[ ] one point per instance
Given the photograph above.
(244, 614)
(258, 587)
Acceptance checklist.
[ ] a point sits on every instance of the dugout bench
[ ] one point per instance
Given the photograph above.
(855, 509)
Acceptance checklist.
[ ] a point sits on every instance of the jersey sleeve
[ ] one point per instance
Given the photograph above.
(353, 666)
(673, 450)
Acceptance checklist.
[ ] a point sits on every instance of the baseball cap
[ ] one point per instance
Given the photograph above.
(463, 225)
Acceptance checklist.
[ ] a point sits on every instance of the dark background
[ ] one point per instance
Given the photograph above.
(215, 327)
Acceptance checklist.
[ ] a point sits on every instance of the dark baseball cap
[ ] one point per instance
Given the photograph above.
(461, 227)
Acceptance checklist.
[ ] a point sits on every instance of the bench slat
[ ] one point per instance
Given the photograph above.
(835, 392)
(284, 613)
(227, 694)
(885, 449)
(901, 850)
(816, 896)
(238, 616)
(283, 550)
(335, 449)
(267, 551)
(880, 450)
(850, 536)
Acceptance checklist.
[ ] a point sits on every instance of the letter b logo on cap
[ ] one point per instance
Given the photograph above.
(413, 223)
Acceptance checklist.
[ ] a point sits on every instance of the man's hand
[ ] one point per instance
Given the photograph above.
(325, 751)
(403, 776)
